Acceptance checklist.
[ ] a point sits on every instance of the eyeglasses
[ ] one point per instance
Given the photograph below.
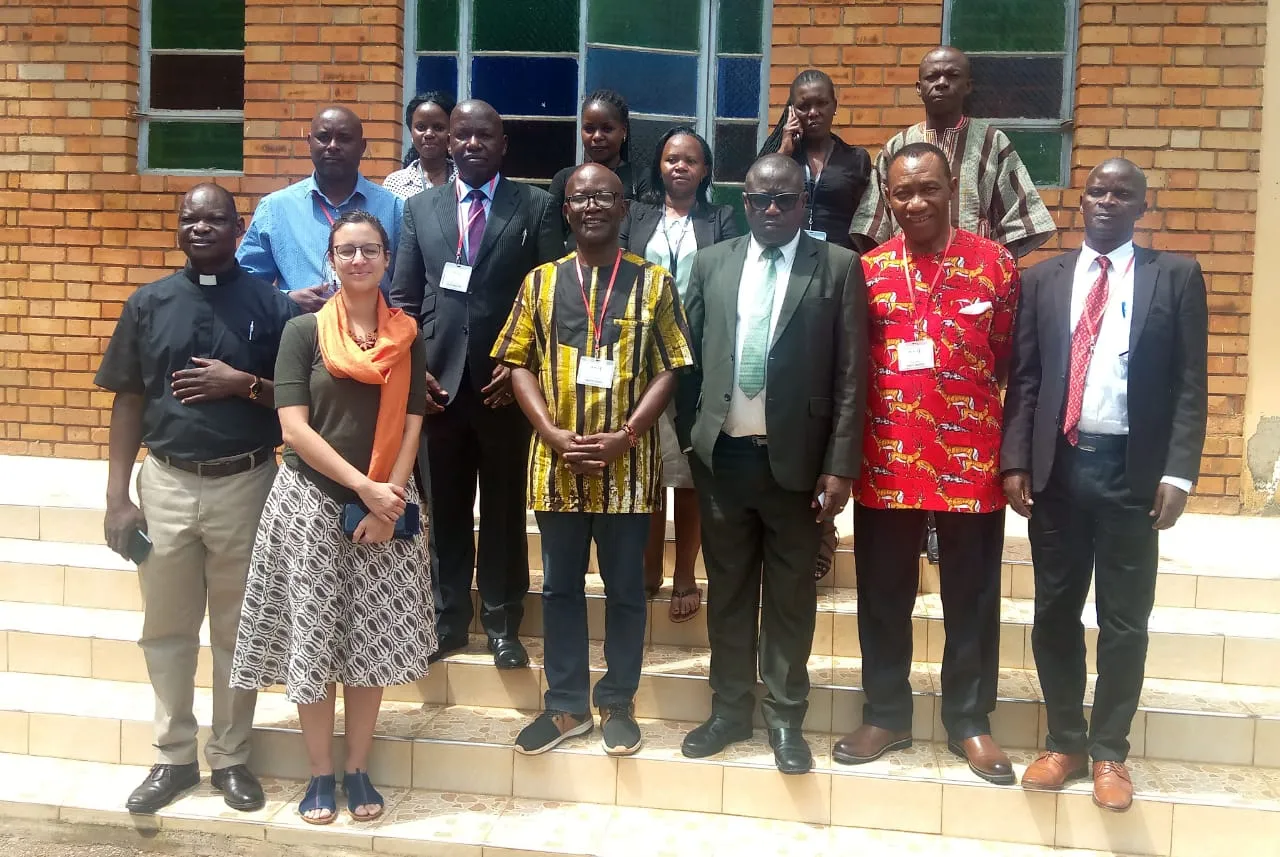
(604, 199)
(762, 201)
(347, 252)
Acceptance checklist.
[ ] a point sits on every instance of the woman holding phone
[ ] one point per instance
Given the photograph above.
(323, 603)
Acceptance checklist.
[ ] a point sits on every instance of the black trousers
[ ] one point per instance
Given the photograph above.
(465, 442)
(1086, 524)
(888, 567)
(757, 537)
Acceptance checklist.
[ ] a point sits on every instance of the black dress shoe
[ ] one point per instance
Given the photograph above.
(240, 788)
(713, 736)
(790, 751)
(447, 646)
(162, 786)
(508, 654)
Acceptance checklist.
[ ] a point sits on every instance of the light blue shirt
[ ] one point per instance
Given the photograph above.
(288, 240)
(462, 189)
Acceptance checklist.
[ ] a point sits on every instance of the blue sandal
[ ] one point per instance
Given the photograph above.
(360, 792)
(320, 795)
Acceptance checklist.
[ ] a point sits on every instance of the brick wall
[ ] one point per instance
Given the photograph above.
(1174, 86)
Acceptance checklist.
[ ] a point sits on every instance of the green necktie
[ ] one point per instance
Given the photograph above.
(755, 347)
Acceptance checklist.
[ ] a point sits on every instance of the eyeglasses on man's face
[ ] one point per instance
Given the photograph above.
(762, 201)
(604, 199)
(347, 252)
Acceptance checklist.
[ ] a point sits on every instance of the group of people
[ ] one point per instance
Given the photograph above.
(585, 350)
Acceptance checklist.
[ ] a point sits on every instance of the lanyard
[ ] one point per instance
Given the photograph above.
(674, 252)
(916, 315)
(604, 306)
(465, 226)
(324, 206)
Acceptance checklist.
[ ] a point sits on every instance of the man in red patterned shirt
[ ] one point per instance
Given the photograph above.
(941, 315)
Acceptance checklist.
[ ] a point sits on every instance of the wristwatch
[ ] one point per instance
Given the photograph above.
(630, 432)
(255, 389)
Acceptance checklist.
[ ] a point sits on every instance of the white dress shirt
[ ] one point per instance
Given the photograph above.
(1105, 408)
(464, 208)
(746, 416)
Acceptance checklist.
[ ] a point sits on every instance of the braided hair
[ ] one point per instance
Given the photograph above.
(614, 100)
(773, 142)
(443, 100)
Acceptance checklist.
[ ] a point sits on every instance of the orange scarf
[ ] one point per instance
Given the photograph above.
(386, 364)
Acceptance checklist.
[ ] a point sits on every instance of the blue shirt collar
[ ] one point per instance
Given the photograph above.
(361, 190)
(489, 187)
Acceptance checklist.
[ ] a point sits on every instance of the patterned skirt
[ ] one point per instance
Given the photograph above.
(319, 608)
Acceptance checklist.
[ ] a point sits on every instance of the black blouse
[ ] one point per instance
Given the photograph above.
(839, 190)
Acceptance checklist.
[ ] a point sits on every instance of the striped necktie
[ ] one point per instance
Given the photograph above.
(1083, 340)
(755, 347)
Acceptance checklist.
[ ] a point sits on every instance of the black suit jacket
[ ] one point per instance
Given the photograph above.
(460, 328)
(1168, 375)
(816, 375)
(710, 226)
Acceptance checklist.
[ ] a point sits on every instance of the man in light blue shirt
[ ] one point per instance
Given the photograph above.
(289, 237)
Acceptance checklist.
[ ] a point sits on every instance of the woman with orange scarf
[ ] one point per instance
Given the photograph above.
(328, 603)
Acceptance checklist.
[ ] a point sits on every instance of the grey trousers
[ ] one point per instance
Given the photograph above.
(202, 530)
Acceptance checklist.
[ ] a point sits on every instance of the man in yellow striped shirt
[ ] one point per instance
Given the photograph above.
(593, 342)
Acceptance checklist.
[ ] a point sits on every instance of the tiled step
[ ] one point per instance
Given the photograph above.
(82, 802)
(456, 749)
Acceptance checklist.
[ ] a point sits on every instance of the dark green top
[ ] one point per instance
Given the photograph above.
(342, 411)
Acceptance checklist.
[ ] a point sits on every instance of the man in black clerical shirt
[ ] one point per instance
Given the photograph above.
(190, 362)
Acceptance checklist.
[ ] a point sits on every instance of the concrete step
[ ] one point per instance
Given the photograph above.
(1182, 808)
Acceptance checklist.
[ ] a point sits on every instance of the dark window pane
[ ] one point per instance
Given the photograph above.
(645, 134)
(527, 86)
(651, 83)
(438, 74)
(672, 24)
(1041, 152)
(1009, 25)
(1016, 87)
(195, 145)
(437, 25)
(197, 81)
(738, 85)
(531, 25)
(731, 194)
(210, 25)
(740, 25)
(536, 149)
(735, 146)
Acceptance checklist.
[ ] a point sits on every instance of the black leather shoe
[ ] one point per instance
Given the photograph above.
(240, 788)
(713, 736)
(162, 786)
(790, 751)
(447, 646)
(508, 654)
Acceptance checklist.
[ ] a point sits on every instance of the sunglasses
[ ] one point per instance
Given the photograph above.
(604, 200)
(762, 201)
(347, 252)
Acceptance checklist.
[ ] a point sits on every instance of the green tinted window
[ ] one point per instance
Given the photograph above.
(671, 24)
(740, 26)
(211, 25)
(437, 25)
(195, 146)
(545, 25)
(1041, 151)
(731, 194)
(1009, 25)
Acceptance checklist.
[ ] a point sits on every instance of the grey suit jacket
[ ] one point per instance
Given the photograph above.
(460, 328)
(1168, 374)
(816, 377)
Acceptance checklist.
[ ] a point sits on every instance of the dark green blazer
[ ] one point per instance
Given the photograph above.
(816, 378)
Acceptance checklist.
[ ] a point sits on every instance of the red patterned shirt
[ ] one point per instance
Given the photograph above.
(932, 438)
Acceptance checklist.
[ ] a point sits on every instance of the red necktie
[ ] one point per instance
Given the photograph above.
(475, 224)
(1083, 340)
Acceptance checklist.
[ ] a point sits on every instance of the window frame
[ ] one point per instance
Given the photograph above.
(146, 114)
(1065, 123)
(704, 121)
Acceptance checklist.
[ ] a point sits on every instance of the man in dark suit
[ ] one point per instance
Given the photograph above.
(465, 247)
(773, 415)
(1104, 426)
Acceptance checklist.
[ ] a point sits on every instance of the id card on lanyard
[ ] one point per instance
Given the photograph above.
(456, 276)
(328, 276)
(811, 185)
(918, 354)
(593, 370)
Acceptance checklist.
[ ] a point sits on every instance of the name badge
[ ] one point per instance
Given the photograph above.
(455, 278)
(914, 356)
(595, 372)
(816, 234)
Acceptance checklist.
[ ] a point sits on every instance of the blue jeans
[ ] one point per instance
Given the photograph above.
(620, 542)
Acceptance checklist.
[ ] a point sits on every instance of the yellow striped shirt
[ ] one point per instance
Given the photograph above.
(643, 331)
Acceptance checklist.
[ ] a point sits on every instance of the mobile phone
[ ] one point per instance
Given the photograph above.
(407, 526)
(139, 547)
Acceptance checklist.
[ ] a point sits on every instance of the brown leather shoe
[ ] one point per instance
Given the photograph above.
(1052, 771)
(868, 743)
(1112, 788)
(985, 759)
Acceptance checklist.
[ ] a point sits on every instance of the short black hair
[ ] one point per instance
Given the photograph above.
(441, 99)
(227, 196)
(656, 192)
(919, 150)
